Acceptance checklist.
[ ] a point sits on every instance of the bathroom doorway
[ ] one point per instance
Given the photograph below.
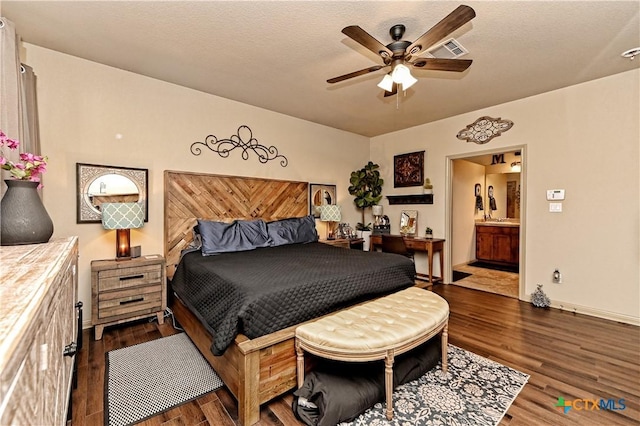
(485, 221)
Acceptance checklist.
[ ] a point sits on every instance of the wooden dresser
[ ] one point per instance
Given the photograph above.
(38, 331)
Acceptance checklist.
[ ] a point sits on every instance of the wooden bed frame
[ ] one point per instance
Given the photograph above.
(254, 370)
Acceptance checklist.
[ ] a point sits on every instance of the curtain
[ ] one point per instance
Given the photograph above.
(18, 106)
(31, 133)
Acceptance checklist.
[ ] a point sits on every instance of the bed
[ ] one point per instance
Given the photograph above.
(256, 357)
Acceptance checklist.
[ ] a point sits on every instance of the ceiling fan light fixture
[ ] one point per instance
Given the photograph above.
(386, 83)
(402, 75)
(408, 81)
(399, 73)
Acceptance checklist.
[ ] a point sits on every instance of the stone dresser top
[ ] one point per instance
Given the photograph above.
(26, 275)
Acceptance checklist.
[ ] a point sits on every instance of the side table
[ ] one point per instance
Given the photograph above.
(127, 290)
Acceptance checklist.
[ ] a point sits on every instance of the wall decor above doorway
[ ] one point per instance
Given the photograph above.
(484, 129)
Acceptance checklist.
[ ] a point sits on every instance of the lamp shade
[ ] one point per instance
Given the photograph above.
(330, 213)
(386, 83)
(402, 75)
(122, 215)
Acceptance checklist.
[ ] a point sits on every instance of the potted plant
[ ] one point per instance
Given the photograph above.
(428, 232)
(366, 187)
(428, 188)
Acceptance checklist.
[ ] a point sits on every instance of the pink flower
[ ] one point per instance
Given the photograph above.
(12, 143)
(30, 166)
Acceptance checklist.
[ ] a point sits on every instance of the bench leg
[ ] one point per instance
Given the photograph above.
(388, 383)
(445, 339)
(300, 364)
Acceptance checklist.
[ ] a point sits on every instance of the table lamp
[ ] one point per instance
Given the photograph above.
(122, 217)
(330, 213)
(377, 212)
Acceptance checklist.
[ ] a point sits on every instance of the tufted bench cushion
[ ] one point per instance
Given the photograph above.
(379, 329)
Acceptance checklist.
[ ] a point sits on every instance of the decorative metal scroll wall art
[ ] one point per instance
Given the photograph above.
(484, 129)
(244, 141)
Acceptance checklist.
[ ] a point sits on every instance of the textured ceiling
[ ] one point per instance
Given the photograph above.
(278, 54)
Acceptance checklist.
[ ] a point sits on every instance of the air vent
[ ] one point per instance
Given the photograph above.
(449, 49)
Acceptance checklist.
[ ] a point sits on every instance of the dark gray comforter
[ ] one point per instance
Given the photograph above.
(261, 291)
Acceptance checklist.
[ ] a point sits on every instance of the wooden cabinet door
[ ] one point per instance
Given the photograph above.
(501, 248)
(25, 396)
(484, 246)
(59, 333)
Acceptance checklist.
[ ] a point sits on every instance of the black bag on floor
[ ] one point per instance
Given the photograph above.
(337, 392)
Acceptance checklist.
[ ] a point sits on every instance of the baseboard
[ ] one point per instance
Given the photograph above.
(599, 313)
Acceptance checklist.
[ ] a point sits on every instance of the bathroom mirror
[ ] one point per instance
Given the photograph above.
(504, 188)
(97, 184)
(408, 222)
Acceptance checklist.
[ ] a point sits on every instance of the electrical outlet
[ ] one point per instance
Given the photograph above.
(557, 277)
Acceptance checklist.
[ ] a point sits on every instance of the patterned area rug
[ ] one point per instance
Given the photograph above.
(146, 379)
(474, 392)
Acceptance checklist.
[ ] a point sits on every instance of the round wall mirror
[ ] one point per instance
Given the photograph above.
(108, 184)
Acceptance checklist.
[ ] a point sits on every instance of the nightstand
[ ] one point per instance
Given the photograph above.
(127, 290)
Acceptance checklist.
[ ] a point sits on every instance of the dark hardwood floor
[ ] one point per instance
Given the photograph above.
(567, 355)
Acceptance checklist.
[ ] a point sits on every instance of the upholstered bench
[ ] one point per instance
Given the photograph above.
(375, 330)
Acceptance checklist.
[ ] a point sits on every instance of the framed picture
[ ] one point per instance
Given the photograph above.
(408, 169)
(409, 222)
(319, 195)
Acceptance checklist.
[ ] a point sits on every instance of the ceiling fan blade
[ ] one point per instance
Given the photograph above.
(393, 91)
(364, 38)
(447, 25)
(355, 74)
(442, 64)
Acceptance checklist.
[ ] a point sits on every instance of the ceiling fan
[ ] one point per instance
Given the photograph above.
(400, 54)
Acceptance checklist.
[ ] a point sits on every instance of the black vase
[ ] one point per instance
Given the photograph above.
(23, 218)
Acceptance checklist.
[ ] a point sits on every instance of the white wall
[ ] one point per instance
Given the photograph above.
(84, 105)
(584, 139)
(463, 213)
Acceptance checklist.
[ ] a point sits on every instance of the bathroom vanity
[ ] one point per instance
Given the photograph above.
(498, 242)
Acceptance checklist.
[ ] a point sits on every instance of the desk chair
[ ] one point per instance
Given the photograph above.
(395, 244)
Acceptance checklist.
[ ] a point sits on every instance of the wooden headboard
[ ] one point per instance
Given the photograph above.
(189, 196)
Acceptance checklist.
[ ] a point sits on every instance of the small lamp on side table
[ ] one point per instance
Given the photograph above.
(330, 213)
(122, 217)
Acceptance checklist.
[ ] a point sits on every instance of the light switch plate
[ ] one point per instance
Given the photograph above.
(555, 207)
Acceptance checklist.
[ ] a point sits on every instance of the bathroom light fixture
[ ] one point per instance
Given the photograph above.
(631, 53)
(516, 166)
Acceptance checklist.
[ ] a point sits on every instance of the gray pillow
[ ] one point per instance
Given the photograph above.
(239, 235)
(293, 230)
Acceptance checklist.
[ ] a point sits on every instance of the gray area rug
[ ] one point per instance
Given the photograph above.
(474, 392)
(146, 379)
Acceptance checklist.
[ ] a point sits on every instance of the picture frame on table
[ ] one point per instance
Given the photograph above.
(409, 222)
(408, 169)
(320, 194)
